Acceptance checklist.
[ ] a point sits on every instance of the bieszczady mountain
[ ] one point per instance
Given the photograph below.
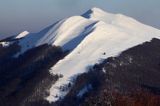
(96, 59)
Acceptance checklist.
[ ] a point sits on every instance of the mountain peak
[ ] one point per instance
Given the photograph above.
(94, 11)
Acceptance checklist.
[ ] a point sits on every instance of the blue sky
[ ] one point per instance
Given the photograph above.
(34, 15)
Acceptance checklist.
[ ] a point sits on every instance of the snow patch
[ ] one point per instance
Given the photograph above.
(5, 44)
(21, 35)
(104, 70)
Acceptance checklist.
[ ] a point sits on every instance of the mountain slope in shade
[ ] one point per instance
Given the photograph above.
(109, 36)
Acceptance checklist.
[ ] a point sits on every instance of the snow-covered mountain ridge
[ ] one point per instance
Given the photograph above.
(69, 32)
(92, 37)
(108, 36)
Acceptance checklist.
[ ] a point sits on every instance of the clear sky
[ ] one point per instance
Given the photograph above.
(33, 15)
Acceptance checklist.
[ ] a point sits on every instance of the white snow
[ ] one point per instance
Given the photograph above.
(88, 38)
(5, 44)
(28, 42)
(60, 34)
(104, 70)
(67, 30)
(31, 40)
(112, 34)
(21, 35)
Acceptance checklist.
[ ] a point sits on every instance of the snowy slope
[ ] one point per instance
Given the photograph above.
(65, 31)
(108, 36)
(31, 39)
(60, 34)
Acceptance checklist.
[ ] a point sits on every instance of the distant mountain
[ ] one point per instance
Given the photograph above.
(76, 61)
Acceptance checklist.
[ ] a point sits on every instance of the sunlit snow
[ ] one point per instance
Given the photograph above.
(111, 34)
(88, 36)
